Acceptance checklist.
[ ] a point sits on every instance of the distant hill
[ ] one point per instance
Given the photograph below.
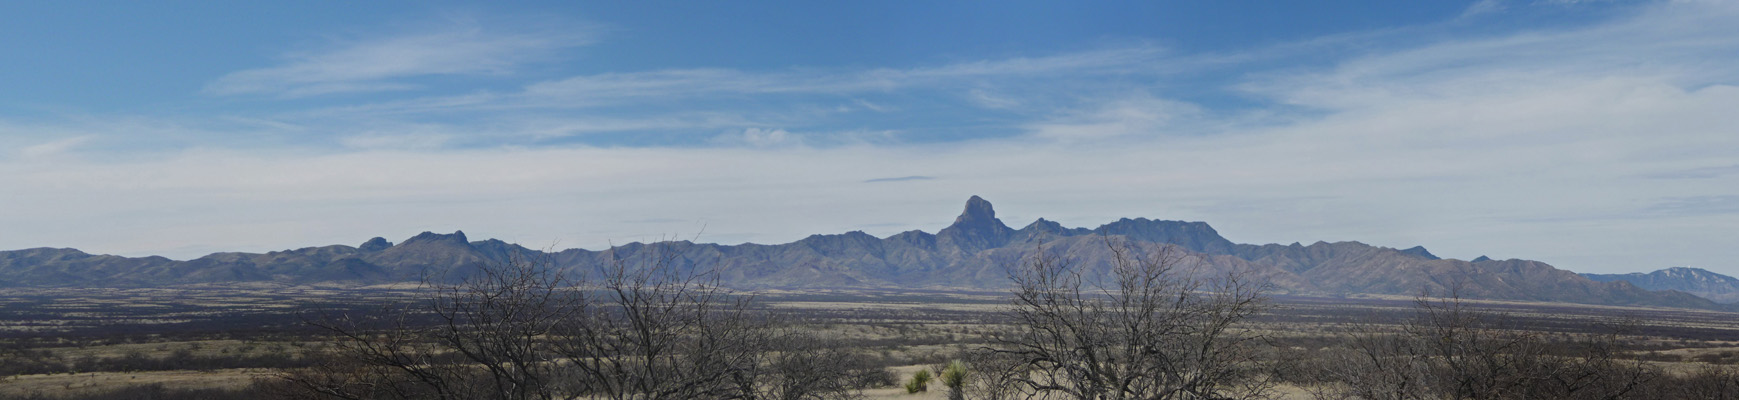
(1697, 281)
(973, 252)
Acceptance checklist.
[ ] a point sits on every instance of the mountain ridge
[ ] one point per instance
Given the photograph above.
(973, 252)
(1696, 281)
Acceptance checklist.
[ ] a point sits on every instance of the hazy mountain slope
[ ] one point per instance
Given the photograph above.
(70, 267)
(1696, 281)
(974, 251)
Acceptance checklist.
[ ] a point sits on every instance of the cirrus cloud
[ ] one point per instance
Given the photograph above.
(458, 46)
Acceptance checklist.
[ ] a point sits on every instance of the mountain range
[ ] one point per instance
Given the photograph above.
(1697, 281)
(973, 252)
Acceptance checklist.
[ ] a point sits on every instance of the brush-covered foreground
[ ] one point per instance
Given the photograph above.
(218, 343)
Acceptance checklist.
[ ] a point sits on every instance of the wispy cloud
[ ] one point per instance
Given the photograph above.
(1698, 173)
(900, 179)
(1483, 7)
(1691, 35)
(1697, 205)
(403, 141)
(459, 46)
(760, 137)
(698, 103)
(671, 85)
(1140, 114)
(53, 147)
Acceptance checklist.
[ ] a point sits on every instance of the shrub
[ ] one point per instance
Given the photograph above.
(954, 377)
(920, 382)
(1149, 328)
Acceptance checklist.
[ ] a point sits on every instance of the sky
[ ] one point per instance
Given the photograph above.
(1597, 136)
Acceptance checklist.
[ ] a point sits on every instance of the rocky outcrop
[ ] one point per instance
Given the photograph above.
(976, 229)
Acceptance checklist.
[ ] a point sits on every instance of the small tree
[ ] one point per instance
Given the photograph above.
(487, 340)
(1150, 330)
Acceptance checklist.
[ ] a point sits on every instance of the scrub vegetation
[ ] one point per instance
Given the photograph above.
(1146, 327)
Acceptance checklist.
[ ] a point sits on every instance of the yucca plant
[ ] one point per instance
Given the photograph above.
(920, 382)
(954, 377)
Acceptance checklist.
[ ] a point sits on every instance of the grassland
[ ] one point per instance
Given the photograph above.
(72, 343)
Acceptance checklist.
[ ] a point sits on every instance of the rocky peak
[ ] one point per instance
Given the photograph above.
(857, 238)
(376, 244)
(976, 228)
(1043, 225)
(1419, 251)
(455, 238)
(978, 211)
(1481, 259)
(1195, 236)
(497, 245)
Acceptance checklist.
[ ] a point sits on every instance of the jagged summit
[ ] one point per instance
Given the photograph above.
(1481, 259)
(977, 228)
(978, 211)
(457, 237)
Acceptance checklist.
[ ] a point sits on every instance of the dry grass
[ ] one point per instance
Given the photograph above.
(904, 325)
(74, 385)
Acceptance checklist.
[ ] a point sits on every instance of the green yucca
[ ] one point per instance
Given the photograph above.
(954, 377)
(920, 382)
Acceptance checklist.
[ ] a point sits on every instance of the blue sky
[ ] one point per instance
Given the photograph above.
(1598, 136)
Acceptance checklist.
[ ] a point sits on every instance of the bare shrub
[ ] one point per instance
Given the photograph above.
(995, 375)
(1154, 330)
(521, 330)
(1712, 382)
(802, 366)
(1449, 350)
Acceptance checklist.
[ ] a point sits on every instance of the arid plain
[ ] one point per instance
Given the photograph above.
(223, 341)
